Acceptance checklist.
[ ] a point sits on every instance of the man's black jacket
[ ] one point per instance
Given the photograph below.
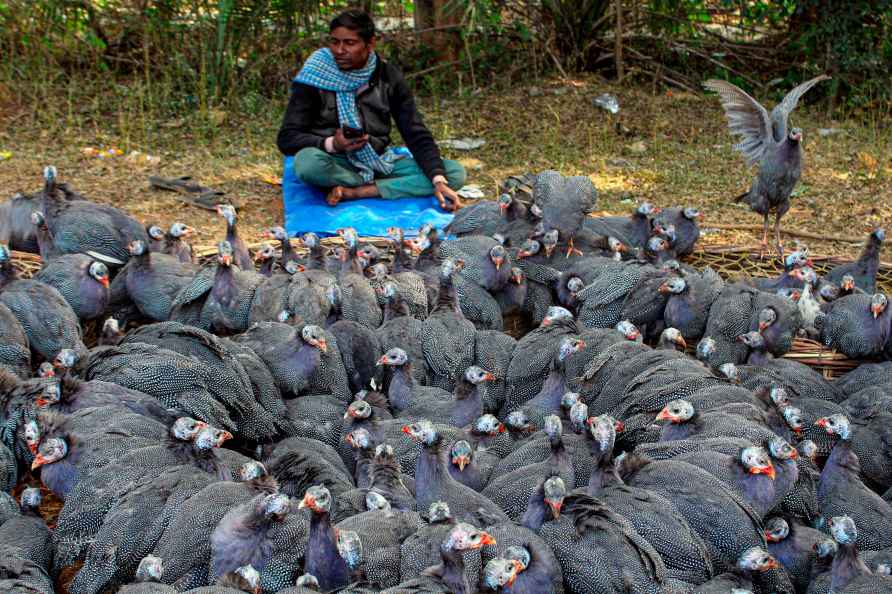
(312, 116)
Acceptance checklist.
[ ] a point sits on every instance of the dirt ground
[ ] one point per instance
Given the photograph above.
(669, 148)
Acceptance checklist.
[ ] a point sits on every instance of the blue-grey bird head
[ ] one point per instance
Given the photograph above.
(251, 577)
(879, 234)
(570, 346)
(776, 529)
(384, 452)
(795, 135)
(390, 290)
(528, 248)
(522, 554)
(308, 581)
(793, 418)
(50, 451)
(504, 201)
(351, 238)
(438, 511)
(730, 372)
(500, 573)
(569, 399)
(49, 174)
(310, 240)
(465, 537)
(878, 304)
(657, 244)
(883, 569)
(575, 285)
(317, 499)
(646, 209)
(358, 409)
(451, 266)
(178, 230)
(796, 259)
(251, 470)
(837, 424)
(843, 530)
(677, 411)
(376, 502)
(674, 285)
(65, 359)
(460, 454)
(99, 273)
(150, 569)
(283, 317)
(186, 428)
(421, 431)
(350, 548)
(756, 460)
(780, 449)
(333, 294)
(753, 340)
(556, 313)
(603, 430)
(554, 490)
(227, 212)
(211, 437)
(488, 425)
(553, 427)
(828, 292)
(153, 231)
(706, 348)
(578, 416)
(359, 439)
(767, 317)
(278, 233)
(136, 248)
(628, 330)
(807, 449)
(264, 253)
(477, 375)
(50, 394)
(673, 336)
(31, 435)
(46, 369)
(38, 220)
(519, 420)
(825, 548)
(395, 357)
(314, 336)
(31, 499)
(692, 214)
(224, 253)
(756, 559)
(549, 241)
(616, 246)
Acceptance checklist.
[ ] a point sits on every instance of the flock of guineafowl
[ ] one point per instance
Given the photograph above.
(356, 420)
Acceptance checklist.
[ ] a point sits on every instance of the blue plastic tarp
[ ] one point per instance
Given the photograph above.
(306, 210)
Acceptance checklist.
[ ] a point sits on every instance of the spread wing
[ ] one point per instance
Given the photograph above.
(746, 118)
(782, 110)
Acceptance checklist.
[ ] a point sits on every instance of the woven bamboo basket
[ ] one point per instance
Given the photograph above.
(729, 261)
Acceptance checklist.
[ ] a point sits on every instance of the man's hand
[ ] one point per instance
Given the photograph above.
(448, 198)
(342, 144)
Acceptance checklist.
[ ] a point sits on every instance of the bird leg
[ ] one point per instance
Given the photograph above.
(777, 235)
(763, 247)
(571, 249)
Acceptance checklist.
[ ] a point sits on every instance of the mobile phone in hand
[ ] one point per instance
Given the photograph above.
(352, 133)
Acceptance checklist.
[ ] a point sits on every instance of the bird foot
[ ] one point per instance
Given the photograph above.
(763, 249)
(572, 250)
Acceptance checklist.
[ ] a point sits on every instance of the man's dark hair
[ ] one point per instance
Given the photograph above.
(355, 20)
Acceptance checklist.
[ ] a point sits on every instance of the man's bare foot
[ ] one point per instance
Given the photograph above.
(335, 195)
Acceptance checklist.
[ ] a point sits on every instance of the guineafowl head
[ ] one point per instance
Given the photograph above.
(753, 340)
(333, 294)
(211, 437)
(178, 230)
(227, 212)
(825, 548)
(517, 276)
(451, 266)
(497, 255)
(251, 470)
(756, 559)
(528, 248)
(578, 416)
(395, 357)
(692, 214)
(843, 530)
(50, 451)
(277, 233)
(310, 240)
(657, 244)
(359, 439)
(314, 336)
(46, 370)
(628, 330)
(767, 317)
(878, 304)
(793, 418)
(756, 460)
(438, 512)
(186, 428)
(603, 430)
(554, 314)
(65, 360)
(569, 399)
(575, 285)
(31, 499)
(553, 427)
(307, 581)
(837, 424)
(570, 346)
(358, 409)
(776, 529)
(705, 348)
(49, 173)
(674, 285)
(780, 449)
(31, 435)
(350, 236)
(376, 502)
(616, 246)
(38, 220)
(554, 490)
(550, 241)
(778, 395)
(224, 253)
(99, 272)
(384, 452)
(421, 431)
(795, 135)
(245, 578)
(317, 499)
(50, 394)
(879, 235)
(111, 327)
(460, 454)
(519, 421)
(646, 209)
(155, 232)
(350, 548)
(150, 569)
(292, 267)
(807, 449)
(477, 375)
(389, 290)
(264, 253)
(672, 336)
(274, 506)
(136, 248)
(504, 201)
(488, 425)
(500, 573)
(677, 411)
(730, 372)
(465, 537)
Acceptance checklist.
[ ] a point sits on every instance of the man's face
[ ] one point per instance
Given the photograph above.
(350, 50)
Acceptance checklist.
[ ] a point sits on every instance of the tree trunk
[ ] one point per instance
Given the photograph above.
(439, 15)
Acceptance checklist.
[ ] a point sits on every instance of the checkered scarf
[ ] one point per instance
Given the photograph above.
(321, 71)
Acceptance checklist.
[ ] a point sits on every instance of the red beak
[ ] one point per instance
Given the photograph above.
(32, 447)
(763, 325)
(486, 539)
(382, 360)
(488, 377)
(555, 508)
(546, 322)
(498, 262)
(224, 437)
(104, 281)
(407, 430)
(42, 403)
(227, 260)
(772, 563)
(39, 461)
(766, 470)
(322, 345)
(461, 462)
(619, 426)
(665, 415)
